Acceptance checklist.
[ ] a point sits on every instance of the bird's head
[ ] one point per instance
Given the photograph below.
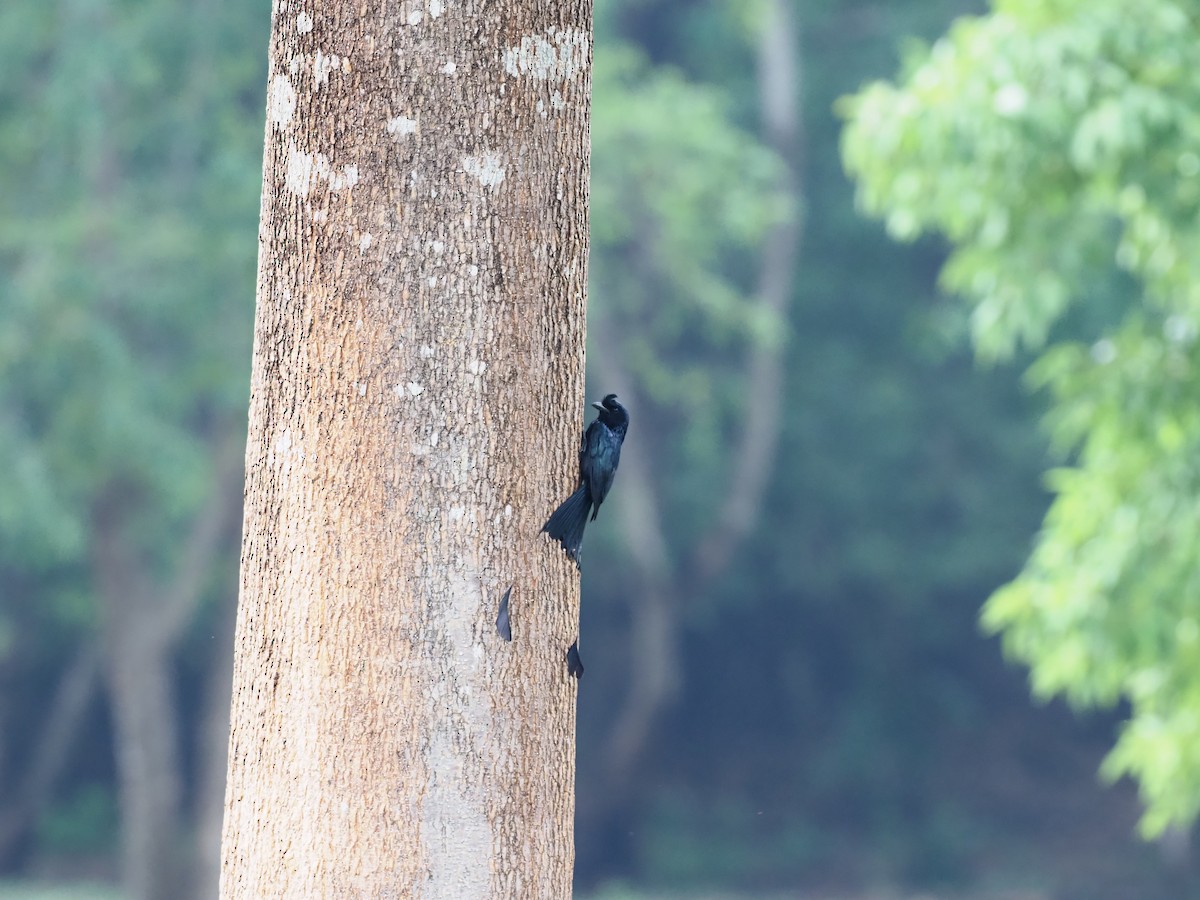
(608, 404)
(612, 413)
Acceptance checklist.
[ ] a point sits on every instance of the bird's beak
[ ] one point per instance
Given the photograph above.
(598, 405)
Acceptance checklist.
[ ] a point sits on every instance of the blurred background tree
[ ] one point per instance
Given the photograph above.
(1055, 145)
(129, 140)
(791, 698)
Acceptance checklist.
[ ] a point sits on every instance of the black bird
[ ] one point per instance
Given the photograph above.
(503, 622)
(599, 454)
(574, 663)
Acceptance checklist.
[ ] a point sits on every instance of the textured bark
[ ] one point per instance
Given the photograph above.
(414, 418)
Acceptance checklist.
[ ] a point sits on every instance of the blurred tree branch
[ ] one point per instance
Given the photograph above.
(142, 620)
(754, 459)
(661, 586)
(51, 749)
(131, 192)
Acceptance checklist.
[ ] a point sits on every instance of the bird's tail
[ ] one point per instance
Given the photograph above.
(567, 522)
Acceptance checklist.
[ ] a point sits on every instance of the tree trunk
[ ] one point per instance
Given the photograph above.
(137, 662)
(414, 419)
(142, 620)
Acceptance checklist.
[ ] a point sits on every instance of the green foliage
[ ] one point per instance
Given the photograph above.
(126, 226)
(839, 658)
(832, 674)
(12, 890)
(681, 200)
(130, 160)
(1053, 144)
(84, 823)
(1036, 139)
(705, 841)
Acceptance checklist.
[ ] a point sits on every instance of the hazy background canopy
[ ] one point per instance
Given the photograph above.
(788, 690)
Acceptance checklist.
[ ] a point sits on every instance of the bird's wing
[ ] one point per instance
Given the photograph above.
(598, 461)
(593, 444)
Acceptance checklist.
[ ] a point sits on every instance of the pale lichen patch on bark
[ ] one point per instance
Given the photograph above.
(449, 68)
(304, 170)
(456, 832)
(560, 58)
(323, 65)
(401, 126)
(281, 101)
(486, 168)
(285, 451)
(304, 22)
(299, 176)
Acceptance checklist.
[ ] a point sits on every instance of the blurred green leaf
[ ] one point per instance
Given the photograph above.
(1053, 145)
